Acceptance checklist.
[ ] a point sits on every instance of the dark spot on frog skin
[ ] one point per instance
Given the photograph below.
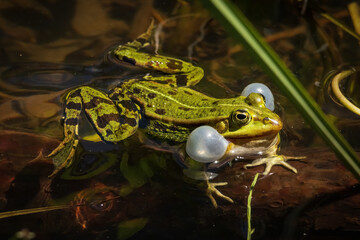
(184, 108)
(73, 105)
(204, 99)
(103, 121)
(215, 103)
(153, 87)
(109, 132)
(116, 95)
(160, 111)
(213, 110)
(181, 80)
(171, 92)
(72, 121)
(95, 101)
(130, 121)
(76, 93)
(129, 60)
(136, 90)
(128, 104)
(175, 65)
(187, 92)
(151, 95)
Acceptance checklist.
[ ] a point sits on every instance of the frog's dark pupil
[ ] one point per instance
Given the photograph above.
(241, 116)
(98, 206)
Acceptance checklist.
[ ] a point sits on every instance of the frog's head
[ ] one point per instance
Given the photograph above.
(250, 120)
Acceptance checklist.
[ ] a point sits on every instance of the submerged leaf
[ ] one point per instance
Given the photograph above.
(126, 229)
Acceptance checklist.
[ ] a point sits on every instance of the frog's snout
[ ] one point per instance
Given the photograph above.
(273, 122)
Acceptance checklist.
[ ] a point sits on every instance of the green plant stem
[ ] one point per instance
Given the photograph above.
(241, 29)
(250, 231)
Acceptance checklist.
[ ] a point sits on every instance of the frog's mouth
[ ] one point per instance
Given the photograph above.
(244, 140)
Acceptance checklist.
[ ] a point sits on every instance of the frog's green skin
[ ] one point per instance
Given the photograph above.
(169, 107)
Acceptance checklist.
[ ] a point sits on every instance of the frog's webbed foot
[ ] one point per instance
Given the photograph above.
(274, 160)
(211, 189)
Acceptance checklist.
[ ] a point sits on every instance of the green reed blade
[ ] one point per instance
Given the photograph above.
(341, 25)
(241, 29)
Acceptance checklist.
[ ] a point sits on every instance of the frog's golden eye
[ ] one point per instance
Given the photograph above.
(240, 117)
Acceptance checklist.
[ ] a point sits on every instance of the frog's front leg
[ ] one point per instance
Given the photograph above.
(113, 123)
(270, 158)
(179, 72)
(270, 161)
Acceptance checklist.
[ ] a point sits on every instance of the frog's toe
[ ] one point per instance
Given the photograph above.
(274, 160)
(279, 160)
(211, 189)
(61, 147)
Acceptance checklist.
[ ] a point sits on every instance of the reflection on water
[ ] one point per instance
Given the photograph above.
(132, 191)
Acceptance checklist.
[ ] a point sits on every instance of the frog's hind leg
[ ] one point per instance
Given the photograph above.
(211, 189)
(67, 147)
(111, 124)
(179, 72)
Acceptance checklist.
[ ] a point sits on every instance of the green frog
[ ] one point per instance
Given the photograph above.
(167, 108)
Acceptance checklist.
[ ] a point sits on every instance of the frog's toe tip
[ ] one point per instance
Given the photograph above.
(230, 200)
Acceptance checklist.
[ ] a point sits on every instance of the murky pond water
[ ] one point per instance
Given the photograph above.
(131, 190)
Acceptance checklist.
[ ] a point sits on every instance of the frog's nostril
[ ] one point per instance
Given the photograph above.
(269, 120)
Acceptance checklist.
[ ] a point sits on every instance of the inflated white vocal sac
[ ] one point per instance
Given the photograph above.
(206, 145)
(263, 90)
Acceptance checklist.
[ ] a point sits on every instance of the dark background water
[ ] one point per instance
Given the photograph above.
(50, 46)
